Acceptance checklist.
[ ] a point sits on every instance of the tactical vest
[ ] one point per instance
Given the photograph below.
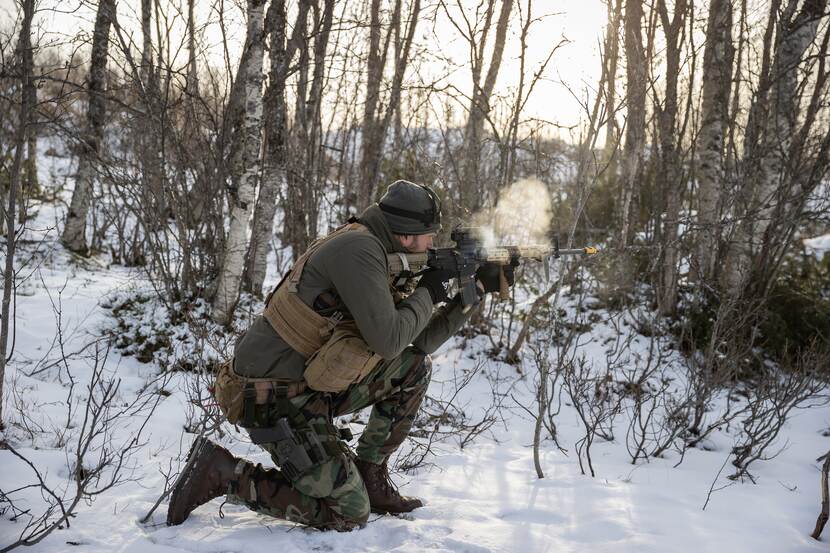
(336, 353)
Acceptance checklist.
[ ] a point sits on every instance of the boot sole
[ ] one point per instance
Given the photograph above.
(381, 511)
(182, 485)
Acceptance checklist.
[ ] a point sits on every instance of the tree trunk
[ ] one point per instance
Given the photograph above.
(30, 187)
(377, 122)
(635, 126)
(314, 176)
(479, 111)
(150, 131)
(711, 175)
(803, 168)
(370, 139)
(24, 51)
(295, 224)
(242, 206)
(147, 70)
(273, 174)
(74, 237)
(775, 111)
(669, 176)
(192, 86)
(612, 54)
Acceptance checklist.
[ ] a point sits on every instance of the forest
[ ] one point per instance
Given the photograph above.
(164, 162)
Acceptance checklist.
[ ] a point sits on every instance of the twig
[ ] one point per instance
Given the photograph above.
(712, 487)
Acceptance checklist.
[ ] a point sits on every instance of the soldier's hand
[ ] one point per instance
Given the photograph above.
(435, 281)
(488, 275)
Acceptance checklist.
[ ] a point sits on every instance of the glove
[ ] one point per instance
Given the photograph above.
(488, 275)
(435, 281)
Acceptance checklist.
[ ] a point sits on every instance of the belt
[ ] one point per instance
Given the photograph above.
(264, 390)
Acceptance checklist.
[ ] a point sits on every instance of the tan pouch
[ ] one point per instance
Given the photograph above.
(343, 360)
(228, 389)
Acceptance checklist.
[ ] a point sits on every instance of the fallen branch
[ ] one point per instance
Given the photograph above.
(825, 498)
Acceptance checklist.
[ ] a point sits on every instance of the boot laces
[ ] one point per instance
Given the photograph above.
(385, 483)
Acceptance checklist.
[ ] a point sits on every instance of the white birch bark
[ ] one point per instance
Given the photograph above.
(773, 185)
(236, 246)
(274, 170)
(74, 233)
(717, 81)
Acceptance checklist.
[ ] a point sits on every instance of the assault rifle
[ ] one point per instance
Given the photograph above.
(469, 253)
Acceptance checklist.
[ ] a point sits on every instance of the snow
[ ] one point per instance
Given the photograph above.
(484, 497)
(818, 246)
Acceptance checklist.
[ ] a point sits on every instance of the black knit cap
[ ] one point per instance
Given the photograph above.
(411, 208)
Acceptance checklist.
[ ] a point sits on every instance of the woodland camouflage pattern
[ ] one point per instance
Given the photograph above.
(332, 494)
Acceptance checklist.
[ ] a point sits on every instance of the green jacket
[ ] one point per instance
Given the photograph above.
(354, 267)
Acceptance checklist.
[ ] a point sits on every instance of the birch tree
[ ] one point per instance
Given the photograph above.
(711, 175)
(635, 124)
(669, 171)
(242, 203)
(773, 176)
(26, 67)
(74, 233)
(274, 176)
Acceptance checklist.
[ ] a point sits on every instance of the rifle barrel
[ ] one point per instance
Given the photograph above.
(505, 253)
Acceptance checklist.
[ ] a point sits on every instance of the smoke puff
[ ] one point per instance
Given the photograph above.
(522, 215)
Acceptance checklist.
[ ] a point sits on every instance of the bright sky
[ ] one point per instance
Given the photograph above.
(575, 66)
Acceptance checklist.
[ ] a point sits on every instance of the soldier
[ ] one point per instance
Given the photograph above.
(338, 334)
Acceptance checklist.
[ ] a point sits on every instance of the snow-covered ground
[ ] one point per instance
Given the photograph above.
(482, 498)
(818, 246)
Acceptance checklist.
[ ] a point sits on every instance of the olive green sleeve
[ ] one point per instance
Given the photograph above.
(359, 274)
(446, 322)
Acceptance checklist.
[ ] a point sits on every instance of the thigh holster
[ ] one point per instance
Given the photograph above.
(298, 445)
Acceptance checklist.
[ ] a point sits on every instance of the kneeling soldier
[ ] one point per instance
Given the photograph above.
(338, 334)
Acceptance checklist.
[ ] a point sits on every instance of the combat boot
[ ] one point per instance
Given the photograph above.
(209, 472)
(383, 494)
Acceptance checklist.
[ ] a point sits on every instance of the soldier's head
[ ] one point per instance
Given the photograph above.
(413, 213)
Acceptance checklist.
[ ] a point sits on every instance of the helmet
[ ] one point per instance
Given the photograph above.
(411, 208)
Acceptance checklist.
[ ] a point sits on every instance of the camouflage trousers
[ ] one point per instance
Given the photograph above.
(332, 493)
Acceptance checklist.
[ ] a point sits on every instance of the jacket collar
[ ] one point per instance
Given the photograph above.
(373, 218)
